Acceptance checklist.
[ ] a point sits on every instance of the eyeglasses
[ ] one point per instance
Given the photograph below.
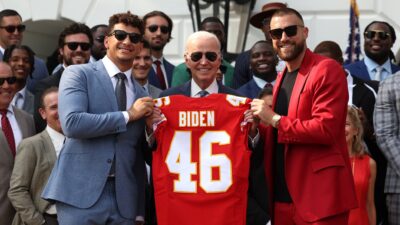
(383, 35)
(11, 29)
(10, 80)
(210, 56)
(120, 35)
(290, 31)
(74, 45)
(154, 28)
(100, 38)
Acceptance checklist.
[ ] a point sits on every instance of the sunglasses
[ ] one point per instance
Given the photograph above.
(120, 35)
(11, 29)
(210, 56)
(100, 38)
(154, 28)
(290, 31)
(383, 35)
(74, 45)
(10, 80)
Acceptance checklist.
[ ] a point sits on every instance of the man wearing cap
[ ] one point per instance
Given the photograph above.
(242, 73)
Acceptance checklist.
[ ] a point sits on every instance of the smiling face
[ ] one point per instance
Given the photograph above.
(77, 56)
(19, 62)
(263, 60)
(204, 71)
(156, 39)
(122, 53)
(7, 91)
(49, 111)
(376, 48)
(14, 38)
(142, 65)
(289, 49)
(350, 130)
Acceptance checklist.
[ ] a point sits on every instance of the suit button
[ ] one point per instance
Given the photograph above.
(109, 160)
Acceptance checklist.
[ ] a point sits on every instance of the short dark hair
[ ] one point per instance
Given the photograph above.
(46, 92)
(265, 92)
(94, 28)
(165, 16)
(31, 55)
(211, 19)
(74, 28)
(333, 48)
(126, 18)
(8, 12)
(288, 11)
(146, 44)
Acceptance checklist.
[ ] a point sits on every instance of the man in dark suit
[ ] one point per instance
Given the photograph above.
(74, 44)
(11, 33)
(203, 58)
(33, 164)
(99, 177)
(15, 126)
(158, 28)
(379, 37)
(263, 61)
(363, 95)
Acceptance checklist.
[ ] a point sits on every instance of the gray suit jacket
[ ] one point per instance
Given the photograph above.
(33, 164)
(96, 133)
(387, 129)
(27, 127)
(154, 91)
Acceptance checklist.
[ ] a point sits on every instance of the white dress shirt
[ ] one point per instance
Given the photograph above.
(195, 89)
(19, 98)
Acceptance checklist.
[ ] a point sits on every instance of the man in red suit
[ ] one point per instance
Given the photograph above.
(307, 165)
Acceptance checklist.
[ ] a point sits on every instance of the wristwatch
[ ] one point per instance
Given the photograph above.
(275, 120)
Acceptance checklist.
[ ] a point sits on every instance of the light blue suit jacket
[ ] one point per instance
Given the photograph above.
(96, 131)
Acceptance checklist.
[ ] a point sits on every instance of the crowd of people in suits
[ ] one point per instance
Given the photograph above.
(77, 148)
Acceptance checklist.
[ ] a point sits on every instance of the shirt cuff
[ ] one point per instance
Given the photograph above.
(139, 218)
(126, 116)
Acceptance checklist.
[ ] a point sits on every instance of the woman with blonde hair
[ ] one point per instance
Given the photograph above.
(363, 169)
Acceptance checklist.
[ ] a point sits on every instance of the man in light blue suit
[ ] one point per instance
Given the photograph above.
(99, 177)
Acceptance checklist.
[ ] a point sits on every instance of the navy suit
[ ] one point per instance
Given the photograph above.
(96, 134)
(250, 89)
(242, 73)
(359, 69)
(169, 69)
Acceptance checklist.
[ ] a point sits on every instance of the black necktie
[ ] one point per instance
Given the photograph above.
(203, 93)
(120, 91)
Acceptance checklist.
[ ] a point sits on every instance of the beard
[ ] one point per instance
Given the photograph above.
(158, 47)
(69, 60)
(378, 56)
(289, 56)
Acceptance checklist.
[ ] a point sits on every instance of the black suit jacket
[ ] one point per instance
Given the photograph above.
(41, 86)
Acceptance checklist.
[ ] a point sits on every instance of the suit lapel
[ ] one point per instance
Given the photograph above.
(105, 82)
(51, 152)
(22, 123)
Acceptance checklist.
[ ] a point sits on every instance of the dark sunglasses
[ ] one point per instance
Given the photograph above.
(10, 80)
(120, 35)
(100, 38)
(210, 56)
(154, 28)
(383, 35)
(11, 29)
(74, 45)
(290, 31)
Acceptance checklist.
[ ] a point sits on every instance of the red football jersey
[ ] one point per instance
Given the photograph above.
(201, 165)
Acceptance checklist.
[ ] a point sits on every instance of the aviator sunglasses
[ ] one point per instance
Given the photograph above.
(290, 31)
(10, 80)
(383, 35)
(74, 45)
(210, 56)
(11, 29)
(120, 35)
(154, 28)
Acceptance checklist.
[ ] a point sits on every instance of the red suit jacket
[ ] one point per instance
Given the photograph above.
(317, 165)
